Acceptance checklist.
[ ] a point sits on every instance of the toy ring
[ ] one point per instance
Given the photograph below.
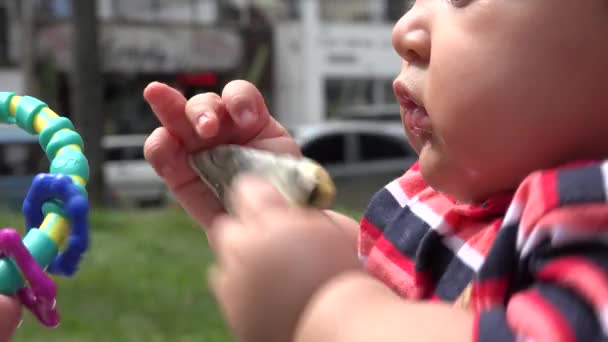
(55, 207)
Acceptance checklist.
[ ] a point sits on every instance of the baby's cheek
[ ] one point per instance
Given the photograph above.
(456, 140)
(457, 156)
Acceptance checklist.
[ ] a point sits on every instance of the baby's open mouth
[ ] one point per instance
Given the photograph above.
(416, 118)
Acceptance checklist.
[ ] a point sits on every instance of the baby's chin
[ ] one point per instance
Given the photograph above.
(460, 183)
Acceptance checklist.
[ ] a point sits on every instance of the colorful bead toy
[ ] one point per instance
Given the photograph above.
(55, 207)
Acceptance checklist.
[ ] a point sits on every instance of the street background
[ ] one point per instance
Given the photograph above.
(325, 68)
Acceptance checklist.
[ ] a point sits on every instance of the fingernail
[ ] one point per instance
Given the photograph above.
(202, 119)
(246, 117)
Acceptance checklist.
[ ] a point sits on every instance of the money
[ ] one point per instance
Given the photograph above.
(302, 181)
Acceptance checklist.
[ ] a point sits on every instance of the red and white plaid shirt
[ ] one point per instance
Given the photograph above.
(532, 264)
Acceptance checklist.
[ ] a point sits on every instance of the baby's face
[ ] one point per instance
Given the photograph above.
(492, 90)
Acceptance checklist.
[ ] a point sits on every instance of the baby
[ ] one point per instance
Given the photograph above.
(496, 234)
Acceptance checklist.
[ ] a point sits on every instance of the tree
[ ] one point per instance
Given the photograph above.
(86, 90)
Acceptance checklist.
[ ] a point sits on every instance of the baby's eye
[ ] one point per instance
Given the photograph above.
(459, 3)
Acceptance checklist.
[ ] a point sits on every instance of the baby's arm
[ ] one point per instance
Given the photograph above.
(348, 225)
(355, 307)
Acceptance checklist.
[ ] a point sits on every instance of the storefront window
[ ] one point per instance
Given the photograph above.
(363, 10)
(193, 11)
(57, 9)
(360, 98)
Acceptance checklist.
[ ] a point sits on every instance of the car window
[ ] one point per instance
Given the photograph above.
(326, 150)
(18, 159)
(124, 153)
(378, 147)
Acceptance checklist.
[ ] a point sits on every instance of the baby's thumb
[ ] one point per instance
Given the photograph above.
(253, 194)
(10, 317)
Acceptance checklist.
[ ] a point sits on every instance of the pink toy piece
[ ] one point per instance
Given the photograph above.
(40, 297)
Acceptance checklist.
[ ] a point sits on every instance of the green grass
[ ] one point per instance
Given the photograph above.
(143, 279)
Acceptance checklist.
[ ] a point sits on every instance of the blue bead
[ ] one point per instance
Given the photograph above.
(54, 191)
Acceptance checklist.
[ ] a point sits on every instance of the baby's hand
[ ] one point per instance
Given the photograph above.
(271, 259)
(238, 116)
(10, 316)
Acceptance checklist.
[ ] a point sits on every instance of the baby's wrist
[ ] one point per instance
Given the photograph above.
(332, 305)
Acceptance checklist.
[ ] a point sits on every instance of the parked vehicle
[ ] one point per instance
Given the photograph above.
(130, 180)
(361, 155)
(129, 177)
(20, 153)
(377, 112)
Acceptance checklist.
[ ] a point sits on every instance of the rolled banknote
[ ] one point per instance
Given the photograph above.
(302, 181)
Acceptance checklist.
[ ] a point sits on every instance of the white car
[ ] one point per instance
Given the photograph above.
(129, 178)
(361, 155)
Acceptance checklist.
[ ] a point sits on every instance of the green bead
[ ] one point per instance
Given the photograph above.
(43, 249)
(5, 105)
(61, 139)
(71, 162)
(53, 206)
(27, 110)
(11, 279)
(41, 246)
(54, 126)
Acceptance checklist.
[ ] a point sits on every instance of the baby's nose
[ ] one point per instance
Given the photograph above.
(411, 37)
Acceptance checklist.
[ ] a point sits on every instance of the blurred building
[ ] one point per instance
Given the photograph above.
(10, 74)
(336, 60)
(195, 45)
(311, 58)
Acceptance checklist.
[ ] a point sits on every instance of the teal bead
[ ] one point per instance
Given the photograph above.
(11, 279)
(61, 139)
(53, 206)
(41, 246)
(54, 126)
(5, 105)
(26, 112)
(43, 249)
(71, 162)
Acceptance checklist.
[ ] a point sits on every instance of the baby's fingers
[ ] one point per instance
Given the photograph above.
(168, 157)
(10, 316)
(230, 240)
(236, 117)
(252, 124)
(256, 200)
(247, 109)
(206, 113)
(168, 105)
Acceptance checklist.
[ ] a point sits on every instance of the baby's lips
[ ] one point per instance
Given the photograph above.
(418, 121)
(404, 96)
(399, 90)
